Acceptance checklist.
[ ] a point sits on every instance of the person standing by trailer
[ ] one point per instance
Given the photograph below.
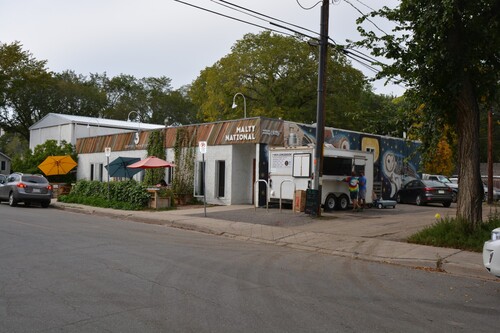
(362, 190)
(353, 183)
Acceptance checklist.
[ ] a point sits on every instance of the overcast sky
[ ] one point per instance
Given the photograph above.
(158, 37)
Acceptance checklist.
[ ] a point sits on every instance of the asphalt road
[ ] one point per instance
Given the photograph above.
(69, 272)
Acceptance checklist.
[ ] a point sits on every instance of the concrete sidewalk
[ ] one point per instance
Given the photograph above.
(374, 235)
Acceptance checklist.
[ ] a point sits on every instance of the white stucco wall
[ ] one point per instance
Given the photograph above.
(238, 160)
(238, 166)
(86, 160)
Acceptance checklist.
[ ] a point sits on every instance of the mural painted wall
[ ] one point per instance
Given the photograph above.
(396, 161)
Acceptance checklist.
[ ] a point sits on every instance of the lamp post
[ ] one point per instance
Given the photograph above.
(138, 115)
(244, 103)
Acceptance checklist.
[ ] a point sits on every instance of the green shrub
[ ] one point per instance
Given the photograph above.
(457, 234)
(129, 194)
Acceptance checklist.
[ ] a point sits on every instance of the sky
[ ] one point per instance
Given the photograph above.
(153, 38)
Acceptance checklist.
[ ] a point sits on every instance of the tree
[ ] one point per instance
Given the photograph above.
(440, 160)
(278, 76)
(24, 84)
(76, 95)
(448, 54)
(31, 159)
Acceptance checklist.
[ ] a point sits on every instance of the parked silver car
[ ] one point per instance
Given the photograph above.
(26, 188)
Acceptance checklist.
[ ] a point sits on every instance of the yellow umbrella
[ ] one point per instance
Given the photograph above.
(57, 165)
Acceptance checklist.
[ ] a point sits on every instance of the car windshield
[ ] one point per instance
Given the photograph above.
(34, 179)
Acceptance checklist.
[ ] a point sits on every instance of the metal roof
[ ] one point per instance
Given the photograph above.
(55, 119)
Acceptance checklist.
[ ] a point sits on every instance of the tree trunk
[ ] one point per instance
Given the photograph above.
(471, 191)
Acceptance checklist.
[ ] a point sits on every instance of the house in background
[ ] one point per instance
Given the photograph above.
(5, 164)
(69, 128)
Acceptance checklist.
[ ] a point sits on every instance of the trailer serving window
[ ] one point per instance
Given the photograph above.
(337, 166)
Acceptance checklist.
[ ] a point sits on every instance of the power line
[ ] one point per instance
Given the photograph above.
(363, 14)
(230, 17)
(242, 9)
(353, 54)
(307, 8)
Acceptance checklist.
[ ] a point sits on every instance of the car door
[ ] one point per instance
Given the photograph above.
(412, 191)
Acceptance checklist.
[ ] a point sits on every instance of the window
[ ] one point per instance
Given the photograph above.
(301, 165)
(3, 166)
(96, 171)
(220, 179)
(199, 179)
(337, 166)
(170, 175)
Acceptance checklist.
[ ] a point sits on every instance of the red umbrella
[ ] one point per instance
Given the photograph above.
(150, 163)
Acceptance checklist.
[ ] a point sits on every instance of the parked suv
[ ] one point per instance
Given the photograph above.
(26, 188)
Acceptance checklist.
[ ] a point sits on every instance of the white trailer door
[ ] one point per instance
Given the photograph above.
(302, 165)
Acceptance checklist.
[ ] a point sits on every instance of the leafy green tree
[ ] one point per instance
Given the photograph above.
(24, 84)
(448, 54)
(13, 144)
(29, 162)
(278, 76)
(76, 95)
(378, 114)
(174, 107)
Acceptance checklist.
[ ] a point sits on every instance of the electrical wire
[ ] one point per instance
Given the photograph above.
(363, 14)
(231, 17)
(353, 54)
(307, 8)
(242, 9)
(364, 4)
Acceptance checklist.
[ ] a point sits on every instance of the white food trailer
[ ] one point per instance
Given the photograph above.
(291, 169)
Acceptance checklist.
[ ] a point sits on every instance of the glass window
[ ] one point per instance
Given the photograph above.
(221, 179)
(337, 166)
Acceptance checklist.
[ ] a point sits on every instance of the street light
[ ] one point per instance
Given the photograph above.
(244, 103)
(138, 115)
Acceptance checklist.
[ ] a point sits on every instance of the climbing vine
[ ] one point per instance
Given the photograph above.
(156, 147)
(184, 152)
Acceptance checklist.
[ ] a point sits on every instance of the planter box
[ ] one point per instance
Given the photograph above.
(157, 202)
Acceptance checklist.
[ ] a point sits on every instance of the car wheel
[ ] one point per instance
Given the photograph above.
(398, 198)
(45, 203)
(330, 202)
(12, 200)
(380, 206)
(418, 201)
(447, 204)
(343, 202)
(454, 196)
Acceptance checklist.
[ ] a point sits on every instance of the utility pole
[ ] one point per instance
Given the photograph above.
(490, 156)
(320, 114)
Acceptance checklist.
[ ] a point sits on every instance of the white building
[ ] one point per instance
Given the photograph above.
(237, 155)
(63, 127)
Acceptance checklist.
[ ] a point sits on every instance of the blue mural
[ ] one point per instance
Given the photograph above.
(396, 160)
